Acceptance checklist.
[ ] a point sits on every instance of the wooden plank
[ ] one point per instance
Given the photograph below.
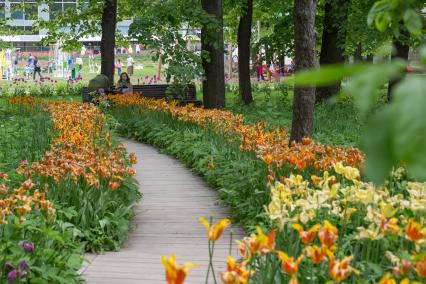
(166, 223)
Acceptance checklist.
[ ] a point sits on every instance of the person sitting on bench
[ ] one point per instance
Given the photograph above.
(124, 84)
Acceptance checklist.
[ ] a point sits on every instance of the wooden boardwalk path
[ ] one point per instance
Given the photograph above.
(166, 223)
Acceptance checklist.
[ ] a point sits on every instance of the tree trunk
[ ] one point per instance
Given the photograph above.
(304, 98)
(229, 61)
(212, 44)
(331, 52)
(369, 58)
(244, 38)
(109, 23)
(358, 54)
(160, 64)
(401, 51)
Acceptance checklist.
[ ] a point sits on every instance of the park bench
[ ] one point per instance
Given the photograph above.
(158, 91)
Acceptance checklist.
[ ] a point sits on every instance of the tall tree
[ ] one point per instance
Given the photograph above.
(244, 47)
(304, 97)
(108, 23)
(331, 46)
(213, 56)
(88, 18)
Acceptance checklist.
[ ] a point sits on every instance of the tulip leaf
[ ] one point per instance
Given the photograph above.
(396, 135)
(365, 87)
(324, 76)
(409, 125)
(377, 144)
(413, 22)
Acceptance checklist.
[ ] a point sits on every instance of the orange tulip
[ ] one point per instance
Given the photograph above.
(421, 267)
(387, 279)
(261, 243)
(176, 274)
(215, 232)
(414, 232)
(236, 273)
(317, 254)
(306, 237)
(113, 185)
(340, 270)
(289, 264)
(268, 159)
(328, 234)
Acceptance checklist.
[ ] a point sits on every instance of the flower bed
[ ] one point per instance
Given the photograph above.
(325, 222)
(78, 195)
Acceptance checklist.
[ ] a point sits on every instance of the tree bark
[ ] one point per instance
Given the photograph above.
(401, 51)
(160, 64)
(229, 61)
(109, 23)
(213, 65)
(358, 54)
(244, 39)
(304, 98)
(331, 52)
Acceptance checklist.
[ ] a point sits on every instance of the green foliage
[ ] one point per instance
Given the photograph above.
(159, 24)
(55, 257)
(78, 21)
(392, 13)
(357, 33)
(25, 134)
(101, 217)
(396, 134)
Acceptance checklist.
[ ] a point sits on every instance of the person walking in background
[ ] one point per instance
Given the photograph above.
(28, 71)
(15, 65)
(30, 60)
(130, 63)
(37, 68)
(138, 49)
(79, 63)
(259, 68)
(8, 69)
(118, 66)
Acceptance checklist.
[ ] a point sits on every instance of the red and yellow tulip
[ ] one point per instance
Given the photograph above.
(176, 274)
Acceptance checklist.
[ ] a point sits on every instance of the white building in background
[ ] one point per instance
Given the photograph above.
(27, 39)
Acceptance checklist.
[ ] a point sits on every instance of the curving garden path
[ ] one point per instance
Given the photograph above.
(166, 223)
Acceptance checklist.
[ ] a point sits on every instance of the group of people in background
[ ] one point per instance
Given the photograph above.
(129, 50)
(130, 62)
(31, 69)
(273, 69)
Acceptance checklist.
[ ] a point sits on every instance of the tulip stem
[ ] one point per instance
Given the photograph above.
(211, 262)
(211, 249)
(230, 244)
